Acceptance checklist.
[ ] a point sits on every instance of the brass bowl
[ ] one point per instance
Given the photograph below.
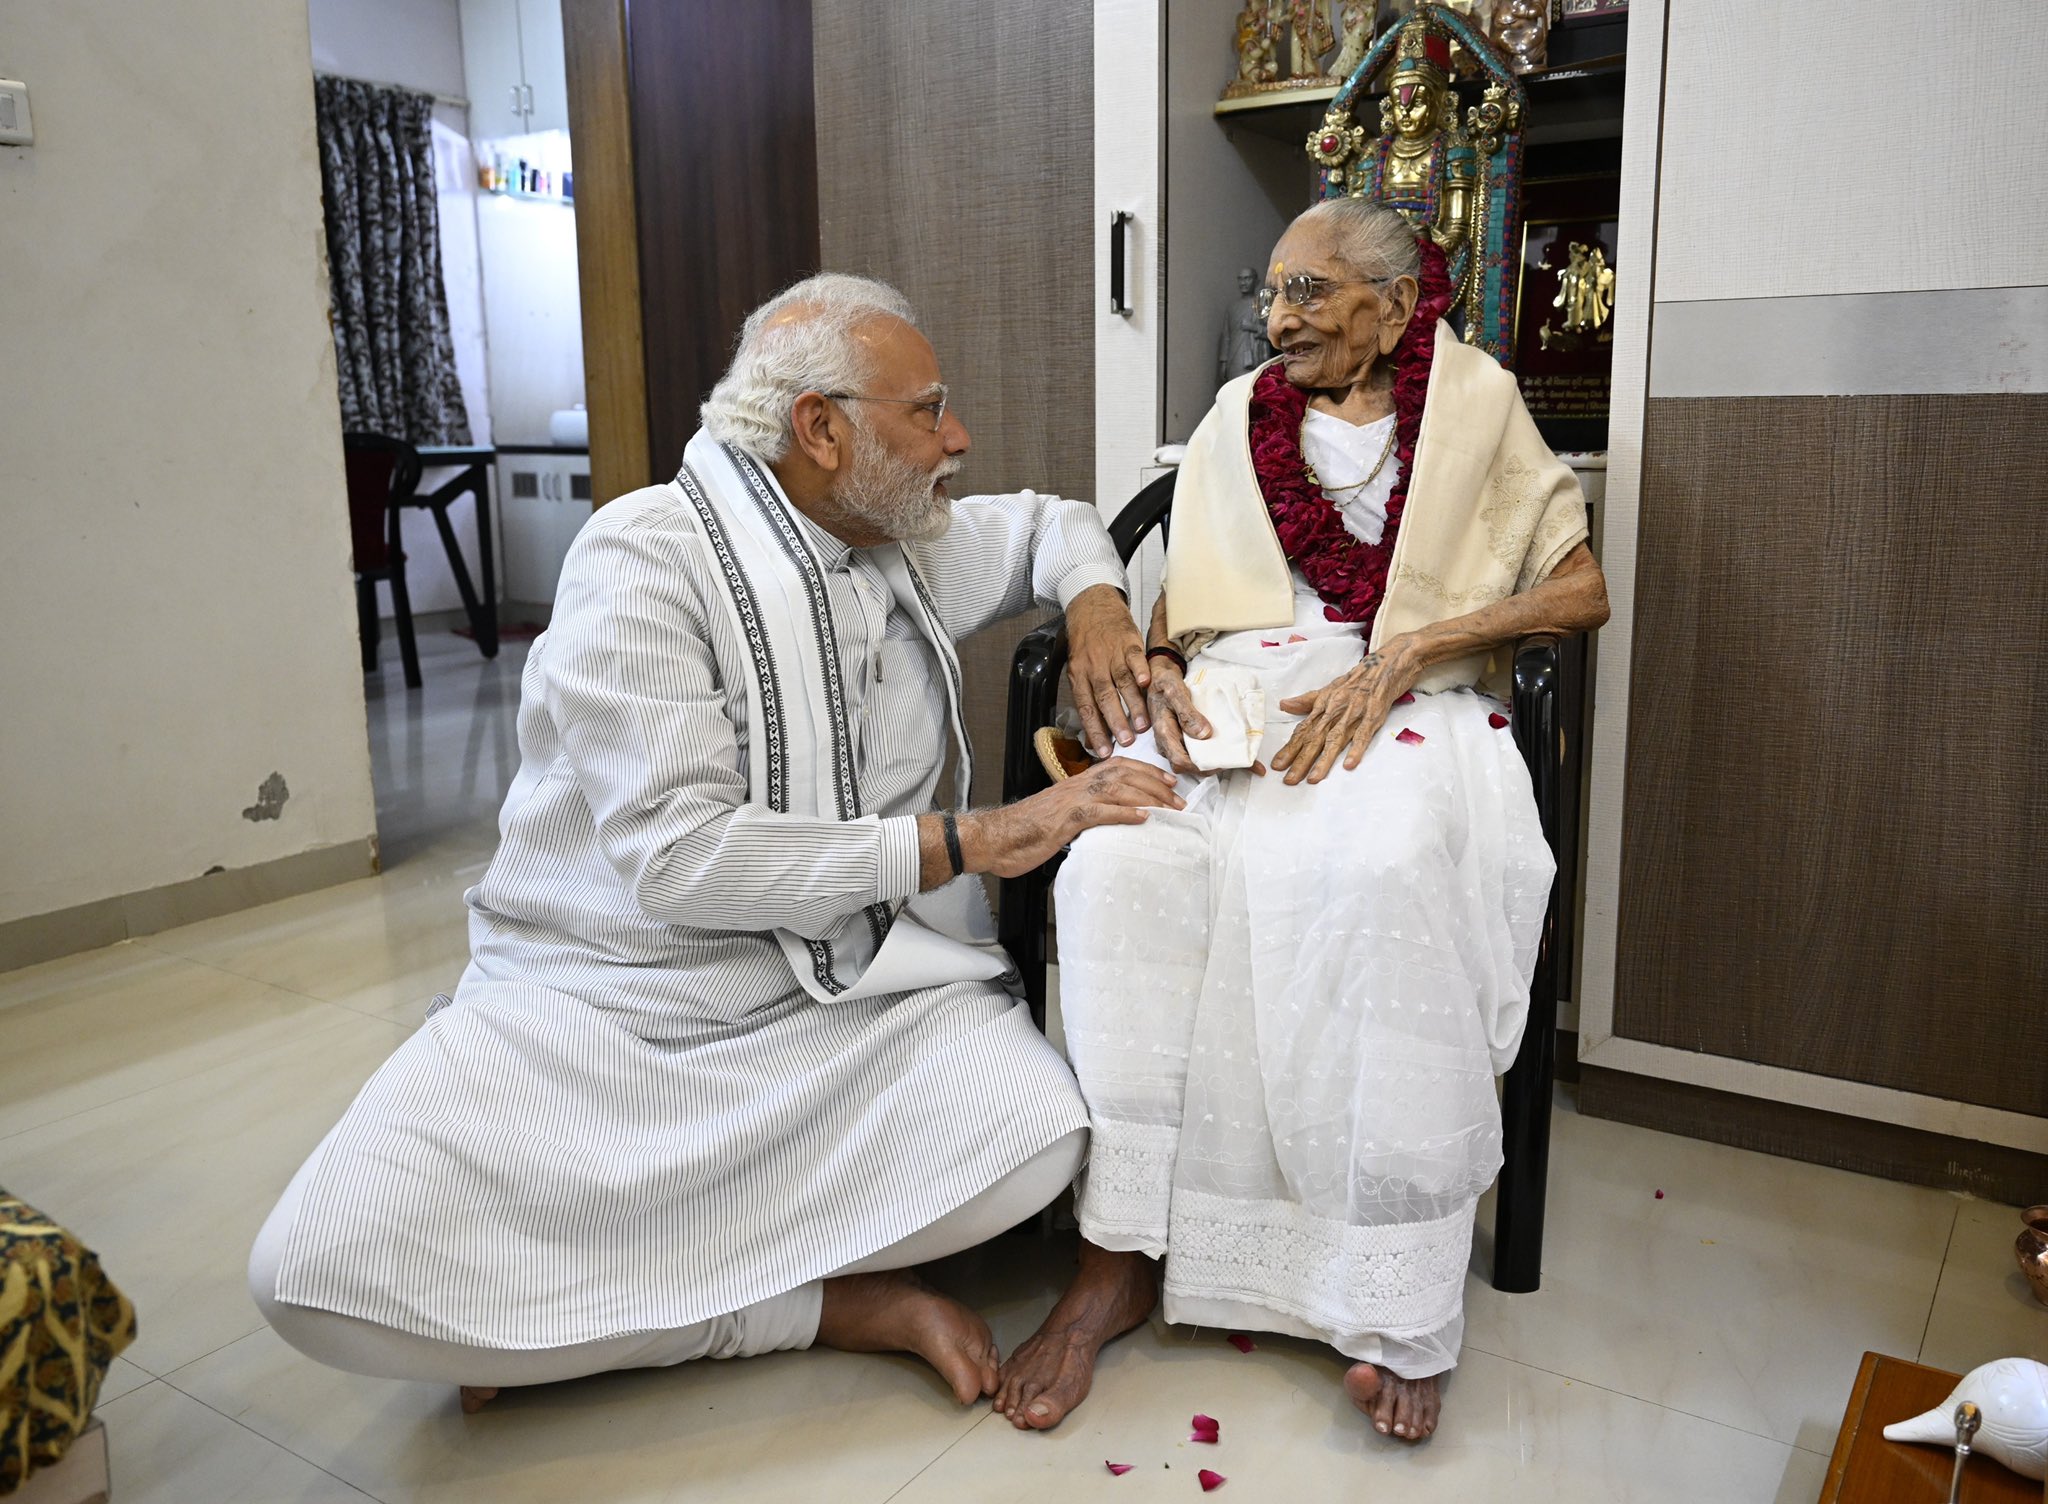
(2031, 1249)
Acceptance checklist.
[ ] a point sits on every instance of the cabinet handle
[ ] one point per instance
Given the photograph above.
(529, 102)
(515, 101)
(1119, 234)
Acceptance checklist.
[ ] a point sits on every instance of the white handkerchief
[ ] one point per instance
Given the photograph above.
(1229, 697)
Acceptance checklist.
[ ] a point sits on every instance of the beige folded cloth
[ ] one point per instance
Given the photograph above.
(1230, 698)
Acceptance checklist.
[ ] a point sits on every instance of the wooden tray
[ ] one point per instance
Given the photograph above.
(1867, 1469)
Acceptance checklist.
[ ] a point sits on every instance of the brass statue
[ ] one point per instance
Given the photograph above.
(1450, 171)
(1428, 170)
(1585, 289)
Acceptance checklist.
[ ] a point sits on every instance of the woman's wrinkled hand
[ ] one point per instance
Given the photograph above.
(1174, 717)
(1342, 718)
(1106, 667)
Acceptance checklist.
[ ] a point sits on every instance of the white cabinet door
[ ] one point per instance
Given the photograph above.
(547, 78)
(491, 68)
(545, 500)
(525, 527)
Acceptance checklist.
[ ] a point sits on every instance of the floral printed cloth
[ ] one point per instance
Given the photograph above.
(61, 1323)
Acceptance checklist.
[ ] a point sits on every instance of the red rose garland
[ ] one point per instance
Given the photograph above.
(1350, 575)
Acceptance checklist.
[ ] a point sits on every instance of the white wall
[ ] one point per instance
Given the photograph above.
(418, 44)
(1129, 70)
(415, 43)
(175, 591)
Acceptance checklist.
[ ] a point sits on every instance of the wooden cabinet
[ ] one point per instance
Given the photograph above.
(513, 66)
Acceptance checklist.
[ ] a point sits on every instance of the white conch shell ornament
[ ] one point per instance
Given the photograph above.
(2012, 1393)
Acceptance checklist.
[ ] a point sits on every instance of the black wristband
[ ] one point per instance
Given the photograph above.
(952, 829)
(1163, 651)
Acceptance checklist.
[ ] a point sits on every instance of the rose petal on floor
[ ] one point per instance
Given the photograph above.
(1207, 1428)
(1118, 1469)
(1241, 1342)
(1407, 699)
(1211, 1481)
(1412, 738)
(1297, 637)
(1496, 720)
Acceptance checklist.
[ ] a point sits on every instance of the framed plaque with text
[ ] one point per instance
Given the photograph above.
(1564, 318)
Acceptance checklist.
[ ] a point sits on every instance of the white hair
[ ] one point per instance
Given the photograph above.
(1375, 242)
(750, 408)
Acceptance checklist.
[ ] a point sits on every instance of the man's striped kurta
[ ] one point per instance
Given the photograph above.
(632, 1117)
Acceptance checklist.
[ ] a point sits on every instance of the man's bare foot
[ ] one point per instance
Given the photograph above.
(475, 1397)
(896, 1312)
(1406, 1408)
(1049, 1373)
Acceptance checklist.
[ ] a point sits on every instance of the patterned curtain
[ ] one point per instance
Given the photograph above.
(390, 312)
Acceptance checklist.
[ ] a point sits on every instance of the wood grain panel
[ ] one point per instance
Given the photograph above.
(955, 160)
(607, 245)
(725, 167)
(1835, 805)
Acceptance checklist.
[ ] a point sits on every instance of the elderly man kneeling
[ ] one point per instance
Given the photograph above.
(734, 1047)
(1286, 1003)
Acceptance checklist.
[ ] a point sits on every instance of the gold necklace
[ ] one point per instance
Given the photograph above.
(1371, 475)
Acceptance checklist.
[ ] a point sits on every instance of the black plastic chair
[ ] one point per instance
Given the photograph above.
(383, 474)
(1035, 672)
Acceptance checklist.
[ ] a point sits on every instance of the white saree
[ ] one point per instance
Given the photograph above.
(1286, 1005)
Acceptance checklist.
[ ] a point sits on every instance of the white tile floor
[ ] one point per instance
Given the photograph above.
(157, 1095)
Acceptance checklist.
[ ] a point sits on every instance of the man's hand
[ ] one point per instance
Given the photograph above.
(1174, 717)
(1343, 717)
(1107, 668)
(1013, 839)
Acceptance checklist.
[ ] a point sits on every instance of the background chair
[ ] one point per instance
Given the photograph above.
(383, 474)
(1035, 674)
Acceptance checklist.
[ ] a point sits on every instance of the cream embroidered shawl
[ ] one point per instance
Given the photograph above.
(1491, 511)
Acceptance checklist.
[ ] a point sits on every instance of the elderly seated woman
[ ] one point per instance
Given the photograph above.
(1287, 1002)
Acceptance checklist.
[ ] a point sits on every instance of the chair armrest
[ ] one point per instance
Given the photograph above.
(1537, 676)
(1035, 670)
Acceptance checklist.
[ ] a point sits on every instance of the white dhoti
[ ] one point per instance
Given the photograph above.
(778, 1323)
(1286, 1007)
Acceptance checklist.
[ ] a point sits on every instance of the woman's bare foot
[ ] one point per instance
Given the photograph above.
(475, 1397)
(1049, 1374)
(896, 1312)
(1406, 1408)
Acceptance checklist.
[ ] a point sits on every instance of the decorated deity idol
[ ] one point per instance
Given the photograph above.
(1424, 164)
(1308, 22)
(1256, 64)
(1354, 27)
(1453, 173)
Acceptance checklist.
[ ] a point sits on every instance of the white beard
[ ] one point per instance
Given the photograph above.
(894, 496)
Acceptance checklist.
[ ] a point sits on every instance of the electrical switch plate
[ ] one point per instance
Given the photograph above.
(16, 129)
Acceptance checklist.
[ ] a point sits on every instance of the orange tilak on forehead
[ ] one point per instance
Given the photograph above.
(1279, 270)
